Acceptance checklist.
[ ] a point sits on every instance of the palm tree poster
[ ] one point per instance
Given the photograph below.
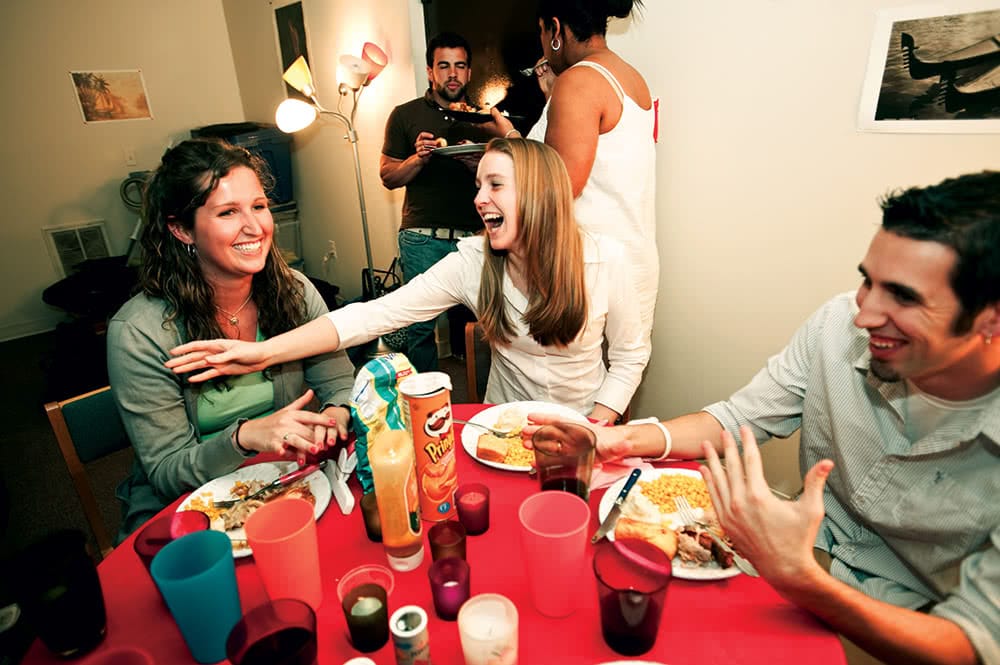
(111, 95)
(934, 68)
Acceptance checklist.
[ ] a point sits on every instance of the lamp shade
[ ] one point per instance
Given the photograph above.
(299, 77)
(352, 72)
(294, 114)
(376, 59)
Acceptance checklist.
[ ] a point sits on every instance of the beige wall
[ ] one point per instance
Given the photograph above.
(55, 169)
(322, 160)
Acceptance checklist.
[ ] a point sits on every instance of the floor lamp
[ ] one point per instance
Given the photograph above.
(293, 115)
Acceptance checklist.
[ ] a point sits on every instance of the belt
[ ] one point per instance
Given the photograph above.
(443, 234)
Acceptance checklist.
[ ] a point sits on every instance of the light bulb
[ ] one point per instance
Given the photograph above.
(294, 114)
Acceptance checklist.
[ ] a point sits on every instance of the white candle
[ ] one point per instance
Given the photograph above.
(487, 625)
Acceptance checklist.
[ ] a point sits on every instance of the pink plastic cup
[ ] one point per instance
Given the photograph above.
(553, 543)
(282, 535)
(119, 656)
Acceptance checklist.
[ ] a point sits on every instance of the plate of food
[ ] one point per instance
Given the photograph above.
(459, 149)
(469, 113)
(649, 514)
(508, 453)
(314, 488)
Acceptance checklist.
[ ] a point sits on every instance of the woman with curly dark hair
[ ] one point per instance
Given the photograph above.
(210, 269)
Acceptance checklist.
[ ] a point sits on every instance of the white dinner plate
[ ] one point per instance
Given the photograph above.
(489, 417)
(681, 570)
(220, 487)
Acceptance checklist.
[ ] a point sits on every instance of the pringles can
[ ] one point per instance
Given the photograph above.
(427, 414)
(408, 626)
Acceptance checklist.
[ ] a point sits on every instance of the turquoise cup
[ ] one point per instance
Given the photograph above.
(197, 578)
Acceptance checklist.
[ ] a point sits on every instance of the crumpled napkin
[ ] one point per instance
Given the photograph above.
(605, 473)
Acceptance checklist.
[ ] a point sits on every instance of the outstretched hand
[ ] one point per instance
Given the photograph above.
(610, 443)
(218, 357)
(776, 536)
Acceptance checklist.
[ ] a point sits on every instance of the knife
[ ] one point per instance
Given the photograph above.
(282, 481)
(609, 521)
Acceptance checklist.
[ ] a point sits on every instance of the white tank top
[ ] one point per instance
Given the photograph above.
(619, 198)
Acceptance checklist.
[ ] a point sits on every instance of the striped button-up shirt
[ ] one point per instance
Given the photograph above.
(908, 522)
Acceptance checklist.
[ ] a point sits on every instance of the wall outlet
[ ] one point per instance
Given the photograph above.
(129, 153)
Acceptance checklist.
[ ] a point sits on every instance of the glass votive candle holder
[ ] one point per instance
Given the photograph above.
(156, 534)
(363, 594)
(447, 539)
(449, 586)
(487, 628)
(473, 503)
(369, 511)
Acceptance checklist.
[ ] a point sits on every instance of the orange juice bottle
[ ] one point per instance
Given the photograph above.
(394, 474)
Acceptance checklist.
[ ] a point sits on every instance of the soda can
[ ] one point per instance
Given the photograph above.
(427, 414)
(408, 626)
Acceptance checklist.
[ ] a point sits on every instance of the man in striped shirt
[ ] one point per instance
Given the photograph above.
(896, 389)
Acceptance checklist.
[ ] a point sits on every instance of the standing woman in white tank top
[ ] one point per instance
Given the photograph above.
(600, 119)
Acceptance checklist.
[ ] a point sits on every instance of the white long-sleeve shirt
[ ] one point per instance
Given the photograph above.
(574, 376)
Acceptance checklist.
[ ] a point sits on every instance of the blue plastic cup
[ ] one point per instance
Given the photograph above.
(197, 578)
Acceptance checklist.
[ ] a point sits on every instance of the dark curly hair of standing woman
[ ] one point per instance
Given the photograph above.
(187, 175)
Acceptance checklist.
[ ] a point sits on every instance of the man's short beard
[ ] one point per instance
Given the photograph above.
(450, 96)
(883, 371)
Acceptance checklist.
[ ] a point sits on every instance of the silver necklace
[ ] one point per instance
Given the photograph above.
(233, 318)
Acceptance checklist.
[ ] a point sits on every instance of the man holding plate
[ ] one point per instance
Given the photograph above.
(438, 208)
(896, 389)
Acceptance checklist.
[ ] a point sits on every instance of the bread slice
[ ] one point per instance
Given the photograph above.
(659, 535)
(492, 448)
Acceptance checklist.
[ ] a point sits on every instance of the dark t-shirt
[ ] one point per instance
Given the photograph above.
(442, 194)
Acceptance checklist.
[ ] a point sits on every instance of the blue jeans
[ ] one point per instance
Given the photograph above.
(417, 253)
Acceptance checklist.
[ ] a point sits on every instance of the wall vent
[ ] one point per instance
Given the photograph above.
(72, 244)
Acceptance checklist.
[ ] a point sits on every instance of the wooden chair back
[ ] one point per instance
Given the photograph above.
(87, 427)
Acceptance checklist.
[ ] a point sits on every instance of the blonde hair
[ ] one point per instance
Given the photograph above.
(557, 294)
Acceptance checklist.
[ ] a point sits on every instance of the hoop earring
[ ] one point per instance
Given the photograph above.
(556, 43)
(191, 250)
(988, 338)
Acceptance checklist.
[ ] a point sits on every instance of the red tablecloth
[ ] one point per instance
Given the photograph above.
(733, 621)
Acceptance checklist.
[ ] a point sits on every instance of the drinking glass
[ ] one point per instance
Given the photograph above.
(631, 596)
(564, 457)
(369, 510)
(197, 579)
(280, 632)
(364, 593)
(553, 544)
(156, 533)
(282, 535)
(58, 590)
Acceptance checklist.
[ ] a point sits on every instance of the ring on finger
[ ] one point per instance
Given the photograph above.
(285, 437)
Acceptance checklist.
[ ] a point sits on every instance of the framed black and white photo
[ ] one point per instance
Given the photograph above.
(934, 68)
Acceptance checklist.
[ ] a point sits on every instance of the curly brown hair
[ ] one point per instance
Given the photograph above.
(187, 175)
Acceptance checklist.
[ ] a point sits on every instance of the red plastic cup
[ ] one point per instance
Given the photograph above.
(473, 503)
(282, 535)
(157, 533)
(281, 632)
(553, 543)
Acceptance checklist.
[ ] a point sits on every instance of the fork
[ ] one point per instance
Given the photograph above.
(687, 515)
(495, 432)
(529, 71)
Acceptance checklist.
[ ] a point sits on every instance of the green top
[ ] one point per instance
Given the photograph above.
(246, 396)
